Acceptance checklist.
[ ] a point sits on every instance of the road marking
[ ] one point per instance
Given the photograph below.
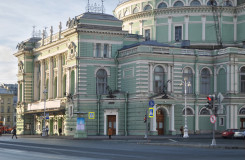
(74, 151)
(173, 140)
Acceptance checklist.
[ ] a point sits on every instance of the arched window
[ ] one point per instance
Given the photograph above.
(178, 4)
(126, 13)
(101, 81)
(188, 75)
(204, 111)
(64, 85)
(227, 3)
(242, 111)
(242, 79)
(205, 81)
(221, 81)
(195, 3)
(136, 10)
(189, 112)
(158, 79)
(162, 5)
(147, 7)
(72, 82)
(212, 3)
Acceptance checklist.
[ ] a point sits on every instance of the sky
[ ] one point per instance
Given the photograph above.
(17, 18)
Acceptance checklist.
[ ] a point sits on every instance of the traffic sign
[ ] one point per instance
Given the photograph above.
(151, 103)
(212, 119)
(91, 115)
(151, 112)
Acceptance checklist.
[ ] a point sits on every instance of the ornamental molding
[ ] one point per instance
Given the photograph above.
(180, 10)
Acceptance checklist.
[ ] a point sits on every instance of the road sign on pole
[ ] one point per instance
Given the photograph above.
(151, 103)
(151, 112)
(212, 119)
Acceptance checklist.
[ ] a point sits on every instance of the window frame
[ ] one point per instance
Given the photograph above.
(189, 90)
(176, 38)
(101, 82)
(205, 81)
(162, 79)
(242, 82)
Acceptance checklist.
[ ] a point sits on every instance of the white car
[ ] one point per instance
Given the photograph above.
(239, 134)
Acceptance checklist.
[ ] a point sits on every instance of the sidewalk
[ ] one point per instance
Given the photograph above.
(197, 141)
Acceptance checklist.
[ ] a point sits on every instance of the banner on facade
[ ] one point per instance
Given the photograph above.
(80, 124)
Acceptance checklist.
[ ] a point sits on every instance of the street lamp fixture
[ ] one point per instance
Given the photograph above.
(185, 84)
(44, 114)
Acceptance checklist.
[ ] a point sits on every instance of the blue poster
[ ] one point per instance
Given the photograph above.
(80, 124)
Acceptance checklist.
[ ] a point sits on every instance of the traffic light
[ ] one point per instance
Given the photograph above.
(145, 119)
(210, 102)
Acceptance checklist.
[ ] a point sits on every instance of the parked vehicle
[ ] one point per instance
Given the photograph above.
(240, 134)
(229, 133)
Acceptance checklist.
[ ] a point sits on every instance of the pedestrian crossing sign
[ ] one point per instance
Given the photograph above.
(151, 112)
(91, 115)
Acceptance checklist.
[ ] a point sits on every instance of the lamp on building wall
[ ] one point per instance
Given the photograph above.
(44, 114)
(110, 93)
(185, 84)
(69, 96)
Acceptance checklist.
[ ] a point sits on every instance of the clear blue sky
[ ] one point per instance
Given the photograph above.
(17, 18)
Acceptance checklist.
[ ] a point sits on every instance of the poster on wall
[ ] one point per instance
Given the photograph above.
(80, 124)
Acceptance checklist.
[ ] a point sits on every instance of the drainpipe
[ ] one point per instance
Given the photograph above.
(195, 93)
(126, 113)
(98, 106)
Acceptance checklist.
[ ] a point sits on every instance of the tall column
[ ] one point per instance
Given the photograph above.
(197, 119)
(141, 27)
(197, 79)
(169, 29)
(18, 91)
(169, 78)
(235, 116)
(131, 28)
(232, 77)
(151, 77)
(228, 78)
(42, 79)
(227, 117)
(236, 78)
(186, 27)
(59, 77)
(172, 118)
(215, 79)
(23, 91)
(51, 76)
(203, 28)
(75, 80)
(68, 80)
(235, 28)
(35, 89)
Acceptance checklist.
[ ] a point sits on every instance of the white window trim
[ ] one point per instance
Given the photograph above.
(182, 32)
(148, 28)
(223, 121)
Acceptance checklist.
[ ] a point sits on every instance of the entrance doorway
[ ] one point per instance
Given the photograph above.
(242, 123)
(112, 124)
(160, 122)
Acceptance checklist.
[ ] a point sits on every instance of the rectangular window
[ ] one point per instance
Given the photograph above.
(9, 100)
(8, 119)
(8, 109)
(2, 101)
(70, 111)
(98, 49)
(242, 83)
(106, 51)
(147, 35)
(178, 33)
(221, 121)
(2, 109)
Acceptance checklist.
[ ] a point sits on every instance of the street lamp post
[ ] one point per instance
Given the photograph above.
(44, 114)
(186, 84)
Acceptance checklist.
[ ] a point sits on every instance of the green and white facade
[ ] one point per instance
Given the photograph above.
(136, 57)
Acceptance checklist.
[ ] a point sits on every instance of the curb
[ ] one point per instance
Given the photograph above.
(195, 145)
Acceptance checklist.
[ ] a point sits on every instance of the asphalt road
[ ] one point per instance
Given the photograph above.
(63, 149)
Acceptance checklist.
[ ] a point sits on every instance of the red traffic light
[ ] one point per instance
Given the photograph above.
(209, 99)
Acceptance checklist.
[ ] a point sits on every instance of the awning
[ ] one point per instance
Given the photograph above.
(50, 111)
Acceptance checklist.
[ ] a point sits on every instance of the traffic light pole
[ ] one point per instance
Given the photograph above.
(146, 125)
(214, 113)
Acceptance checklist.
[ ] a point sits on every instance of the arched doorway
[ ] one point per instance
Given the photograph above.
(160, 121)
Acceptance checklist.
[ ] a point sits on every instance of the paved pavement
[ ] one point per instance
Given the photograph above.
(197, 141)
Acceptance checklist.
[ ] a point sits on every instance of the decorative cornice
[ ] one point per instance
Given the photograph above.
(181, 10)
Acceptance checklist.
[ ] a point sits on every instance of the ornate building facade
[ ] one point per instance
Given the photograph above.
(94, 65)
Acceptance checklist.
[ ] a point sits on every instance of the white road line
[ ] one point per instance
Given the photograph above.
(173, 140)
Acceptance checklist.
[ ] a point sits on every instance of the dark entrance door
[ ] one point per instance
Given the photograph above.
(160, 122)
(242, 123)
(112, 124)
